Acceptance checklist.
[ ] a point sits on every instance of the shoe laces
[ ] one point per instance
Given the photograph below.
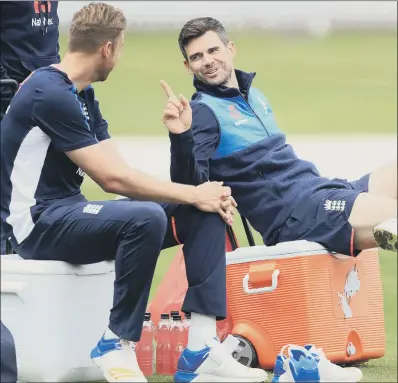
(288, 347)
(318, 352)
(126, 344)
(127, 353)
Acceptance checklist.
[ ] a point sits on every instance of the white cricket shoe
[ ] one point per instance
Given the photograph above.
(330, 372)
(214, 364)
(117, 360)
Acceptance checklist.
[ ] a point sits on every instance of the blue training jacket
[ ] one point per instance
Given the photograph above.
(234, 138)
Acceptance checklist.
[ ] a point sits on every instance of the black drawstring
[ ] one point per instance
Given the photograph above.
(43, 16)
(47, 13)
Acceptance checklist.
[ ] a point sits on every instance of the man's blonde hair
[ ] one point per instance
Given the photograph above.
(93, 25)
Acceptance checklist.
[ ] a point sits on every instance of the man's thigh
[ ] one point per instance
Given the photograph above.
(175, 213)
(185, 221)
(323, 217)
(82, 233)
(383, 181)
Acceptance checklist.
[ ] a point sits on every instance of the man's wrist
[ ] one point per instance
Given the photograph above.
(192, 196)
(181, 135)
(182, 143)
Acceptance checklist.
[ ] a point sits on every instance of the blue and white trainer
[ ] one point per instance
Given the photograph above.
(117, 360)
(214, 364)
(330, 372)
(298, 366)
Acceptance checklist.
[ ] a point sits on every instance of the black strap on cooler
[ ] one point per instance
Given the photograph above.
(248, 232)
(8, 82)
(231, 237)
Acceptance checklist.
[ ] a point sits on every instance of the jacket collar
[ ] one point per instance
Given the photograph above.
(245, 80)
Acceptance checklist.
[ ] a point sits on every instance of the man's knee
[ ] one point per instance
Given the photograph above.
(368, 211)
(383, 181)
(208, 221)
(149, 216)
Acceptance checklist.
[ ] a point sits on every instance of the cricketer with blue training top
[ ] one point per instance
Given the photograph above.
(234, 138)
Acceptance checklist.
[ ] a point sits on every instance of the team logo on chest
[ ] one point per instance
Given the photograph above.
(85, 112)
(236, 115)
(233, 112)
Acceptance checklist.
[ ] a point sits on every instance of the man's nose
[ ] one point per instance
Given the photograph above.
(208, 59)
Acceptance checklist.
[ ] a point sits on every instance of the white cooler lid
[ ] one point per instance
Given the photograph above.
(14, 264)
(281, 250)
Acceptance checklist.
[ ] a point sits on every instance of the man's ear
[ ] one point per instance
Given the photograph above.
(232, 48)
(106, 49)
(187, 67)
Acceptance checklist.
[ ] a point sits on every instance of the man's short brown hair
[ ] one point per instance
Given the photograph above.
(93, 25)
(196, 28)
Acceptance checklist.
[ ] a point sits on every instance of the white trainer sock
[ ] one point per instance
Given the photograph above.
(202, 328)
(110, 335)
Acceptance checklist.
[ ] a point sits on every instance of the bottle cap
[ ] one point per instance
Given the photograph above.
(164, 316)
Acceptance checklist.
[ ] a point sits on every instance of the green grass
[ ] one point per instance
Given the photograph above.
(345, 83)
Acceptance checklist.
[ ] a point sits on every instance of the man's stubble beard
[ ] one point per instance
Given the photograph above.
(224, 81)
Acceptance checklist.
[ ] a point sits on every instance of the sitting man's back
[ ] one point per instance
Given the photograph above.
(34, 169)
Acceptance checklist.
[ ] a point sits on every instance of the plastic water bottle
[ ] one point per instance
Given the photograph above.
(172, 315)
(177, 331)
(163, 347)
(144, 348)
(186, 325)
(154, 340)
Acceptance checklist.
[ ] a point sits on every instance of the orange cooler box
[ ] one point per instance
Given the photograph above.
(298, 292)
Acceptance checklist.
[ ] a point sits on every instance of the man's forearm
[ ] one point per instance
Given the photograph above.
(184, 166)
(138, 185)
(103, 163)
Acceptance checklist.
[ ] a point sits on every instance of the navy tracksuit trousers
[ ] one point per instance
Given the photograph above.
(133, 233)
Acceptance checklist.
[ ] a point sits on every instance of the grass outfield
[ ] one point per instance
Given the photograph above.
(346, 83)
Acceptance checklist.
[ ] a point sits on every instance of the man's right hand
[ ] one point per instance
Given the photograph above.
(177, 115)
(214, 198)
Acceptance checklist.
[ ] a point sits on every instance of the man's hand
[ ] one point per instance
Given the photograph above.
(215, 198)
(228, 206)
(177, 115)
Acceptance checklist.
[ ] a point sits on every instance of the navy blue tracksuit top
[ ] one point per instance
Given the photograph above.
(234, 138)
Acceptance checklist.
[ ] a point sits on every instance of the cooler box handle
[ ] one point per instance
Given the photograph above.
(11, 287)
(264, 275)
